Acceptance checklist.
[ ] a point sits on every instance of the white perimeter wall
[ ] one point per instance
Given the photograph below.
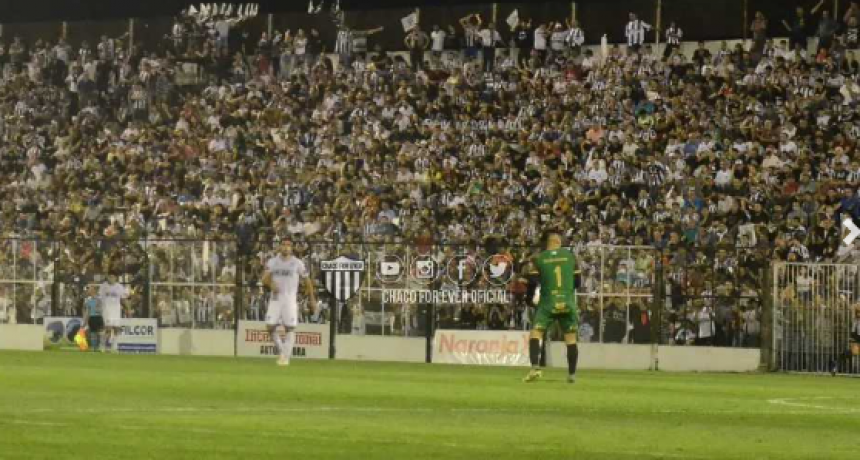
(22, 337)
(707, 359)
(398, 349)
(603, 356)
(195, 342)
(376, 348)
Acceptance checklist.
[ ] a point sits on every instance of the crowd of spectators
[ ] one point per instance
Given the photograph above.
(722, 160)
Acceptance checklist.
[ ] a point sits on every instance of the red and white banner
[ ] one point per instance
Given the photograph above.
(311, 340)
(485, 348)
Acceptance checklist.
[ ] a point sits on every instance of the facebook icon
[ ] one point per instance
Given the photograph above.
(461, 270)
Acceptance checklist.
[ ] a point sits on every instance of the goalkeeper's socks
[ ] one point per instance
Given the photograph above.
(572, 358)
(543, 353)
(534, 352)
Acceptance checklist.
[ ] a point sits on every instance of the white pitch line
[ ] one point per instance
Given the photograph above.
(796, 402)
(811, 409)
(33, 423)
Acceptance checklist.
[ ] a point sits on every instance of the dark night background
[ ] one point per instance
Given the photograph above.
(88, 19)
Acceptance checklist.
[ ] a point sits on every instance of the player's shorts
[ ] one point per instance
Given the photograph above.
(566, 313)
(96, 324)
(285, 312)
(112, 315)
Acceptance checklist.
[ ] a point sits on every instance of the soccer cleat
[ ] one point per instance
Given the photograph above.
(533, 376)
(282, 361)
(571, 378)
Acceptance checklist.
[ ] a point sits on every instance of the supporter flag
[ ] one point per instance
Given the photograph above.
(514, 19)
(410, 22)
(604, 46)
(311, 7)
(192, 11)
(81, 339)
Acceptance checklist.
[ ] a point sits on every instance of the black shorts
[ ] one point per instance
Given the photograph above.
(96, 324)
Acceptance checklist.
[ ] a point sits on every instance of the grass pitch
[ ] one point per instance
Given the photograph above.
(93, 406)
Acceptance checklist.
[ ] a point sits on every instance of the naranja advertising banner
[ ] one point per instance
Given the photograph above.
(488, 348)
(311, 341)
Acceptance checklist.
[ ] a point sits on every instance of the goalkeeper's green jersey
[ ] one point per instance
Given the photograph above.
(557, 269)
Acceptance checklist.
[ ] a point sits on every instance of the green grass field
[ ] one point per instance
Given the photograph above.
(93, 406)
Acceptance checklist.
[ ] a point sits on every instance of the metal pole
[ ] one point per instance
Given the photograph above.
(64, 30)
(572, 11)
(495, 12)
(429, 330)
(270, 24)
(130, 35)
(55, 285)
(237, 301)
(745, 26)
(333, 317)
(658, 26)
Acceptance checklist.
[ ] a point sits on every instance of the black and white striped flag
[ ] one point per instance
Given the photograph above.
(343, 277)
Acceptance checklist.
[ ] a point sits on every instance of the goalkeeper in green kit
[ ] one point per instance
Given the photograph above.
(557, 268)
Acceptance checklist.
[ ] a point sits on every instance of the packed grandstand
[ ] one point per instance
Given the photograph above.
(691, 168)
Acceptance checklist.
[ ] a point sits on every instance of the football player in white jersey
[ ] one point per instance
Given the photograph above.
(111, 293)
(282, 276)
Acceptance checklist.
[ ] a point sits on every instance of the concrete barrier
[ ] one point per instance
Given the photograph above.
(377, 348)
(708, 359)
(198, 342)
(28, 337)
(604, 356)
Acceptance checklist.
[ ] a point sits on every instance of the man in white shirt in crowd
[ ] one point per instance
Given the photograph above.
(437, 38)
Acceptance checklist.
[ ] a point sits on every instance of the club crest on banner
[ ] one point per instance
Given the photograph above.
(343, 277)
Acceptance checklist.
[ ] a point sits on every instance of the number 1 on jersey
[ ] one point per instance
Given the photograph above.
(558, 276)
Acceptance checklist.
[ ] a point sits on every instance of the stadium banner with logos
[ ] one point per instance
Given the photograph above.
(311, 341)
(138, 336)
(484, 348)
(60, 332)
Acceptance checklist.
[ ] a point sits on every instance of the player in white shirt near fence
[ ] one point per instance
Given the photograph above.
(282, 276)
(111, 294)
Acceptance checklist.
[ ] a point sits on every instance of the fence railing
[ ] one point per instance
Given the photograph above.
(815, 312)
(627, 294)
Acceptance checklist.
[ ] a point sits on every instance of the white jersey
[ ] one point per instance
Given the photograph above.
(112, 294)
(285, 275)
(438, 37)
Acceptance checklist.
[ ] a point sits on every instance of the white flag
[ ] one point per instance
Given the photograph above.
(192, 11)
(230, 10)
(256, 9)
(223, 9)
(604, 46)
(311, 7)
(409, 22)
(514, 19)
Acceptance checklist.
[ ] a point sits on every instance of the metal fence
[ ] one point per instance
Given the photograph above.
(629, 294)
(815, 309)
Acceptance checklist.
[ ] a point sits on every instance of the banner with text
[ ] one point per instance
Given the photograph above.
(487, 348)
(311, 340)
(138, 336)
